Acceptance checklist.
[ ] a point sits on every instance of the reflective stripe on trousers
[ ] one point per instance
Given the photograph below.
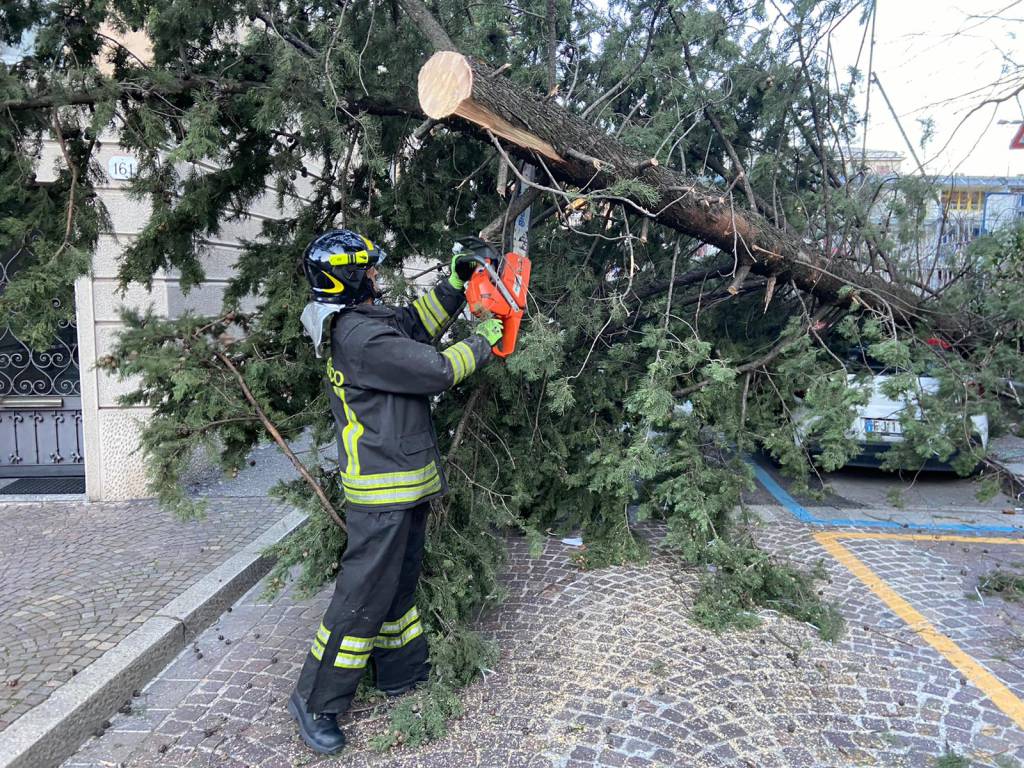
(353, 652)
(371, 619)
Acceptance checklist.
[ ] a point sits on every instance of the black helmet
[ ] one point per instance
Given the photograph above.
(336, 263)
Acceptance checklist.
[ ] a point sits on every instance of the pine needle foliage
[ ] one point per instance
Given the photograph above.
(641, 383)
(1002, 583)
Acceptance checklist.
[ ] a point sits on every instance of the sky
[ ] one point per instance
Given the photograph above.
(931, 57)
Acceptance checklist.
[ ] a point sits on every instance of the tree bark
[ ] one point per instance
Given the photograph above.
(464, 91)
(428, 26)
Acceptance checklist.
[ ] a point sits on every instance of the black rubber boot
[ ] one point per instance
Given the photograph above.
(320, 732)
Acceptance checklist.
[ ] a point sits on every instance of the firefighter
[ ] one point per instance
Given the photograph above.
(381, 372)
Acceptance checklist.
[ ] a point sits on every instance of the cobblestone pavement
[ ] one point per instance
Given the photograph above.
(78, 578)
(914, 695)
(605, 668)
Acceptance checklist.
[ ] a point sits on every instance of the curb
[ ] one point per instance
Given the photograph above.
(53, 731)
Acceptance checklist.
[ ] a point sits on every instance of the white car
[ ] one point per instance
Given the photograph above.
(877, 426)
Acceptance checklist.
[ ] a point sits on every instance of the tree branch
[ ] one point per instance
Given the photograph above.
(741, 172)
(461, 90)
(762, 361)
(552, 49)
(281, 443)
(403, 105)
(467, 412)
(494, 231)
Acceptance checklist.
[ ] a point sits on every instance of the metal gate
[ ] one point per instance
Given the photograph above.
(40, 401)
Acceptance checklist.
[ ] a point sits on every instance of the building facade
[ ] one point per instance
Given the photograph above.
(59, 415)
(966, 208)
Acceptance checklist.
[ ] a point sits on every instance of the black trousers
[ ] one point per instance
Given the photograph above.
(372, 618)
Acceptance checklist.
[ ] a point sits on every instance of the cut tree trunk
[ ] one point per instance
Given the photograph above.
(471, 96)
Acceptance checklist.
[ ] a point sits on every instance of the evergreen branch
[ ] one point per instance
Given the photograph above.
(615, 89)
(467, 411)
(141, 90)
(400, 106)
(288, 37)
(496, 228)
(73, 169)
(687, 278)
(762, 361)
(741, 172)
(281, 443)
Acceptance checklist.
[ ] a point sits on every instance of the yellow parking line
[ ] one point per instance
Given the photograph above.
(988, 683)
(929, 537)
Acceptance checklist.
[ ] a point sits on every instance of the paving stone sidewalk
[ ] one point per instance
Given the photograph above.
(912, 695)
(605, 668)
(78, 578)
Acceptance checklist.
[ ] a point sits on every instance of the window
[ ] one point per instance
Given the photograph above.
(963, 200)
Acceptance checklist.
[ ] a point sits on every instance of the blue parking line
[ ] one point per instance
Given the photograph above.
(801, 514)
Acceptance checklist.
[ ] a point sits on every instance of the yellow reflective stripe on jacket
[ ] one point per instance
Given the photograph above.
(431, 312)
(457, 363)
(395, 495)
(398, 625)
(436, 307)
(385, 480)
(467, 353)
(392, 487)
(463, 360)
(431, 323)
(353, 430)
(398, 641)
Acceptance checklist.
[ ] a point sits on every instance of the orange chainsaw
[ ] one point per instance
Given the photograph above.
(497, 288)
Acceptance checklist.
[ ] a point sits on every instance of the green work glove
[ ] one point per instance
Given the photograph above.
(462, 270)
(490, 330)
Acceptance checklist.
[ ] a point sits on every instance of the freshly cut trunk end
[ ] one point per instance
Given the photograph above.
(445, 81)
(446, 87)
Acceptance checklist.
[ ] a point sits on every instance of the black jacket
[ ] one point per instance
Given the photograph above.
(381, 374)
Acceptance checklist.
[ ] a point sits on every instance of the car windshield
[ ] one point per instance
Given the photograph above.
(860, 361)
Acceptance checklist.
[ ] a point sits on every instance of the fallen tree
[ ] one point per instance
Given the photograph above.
(455, 86)
(649, 364)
